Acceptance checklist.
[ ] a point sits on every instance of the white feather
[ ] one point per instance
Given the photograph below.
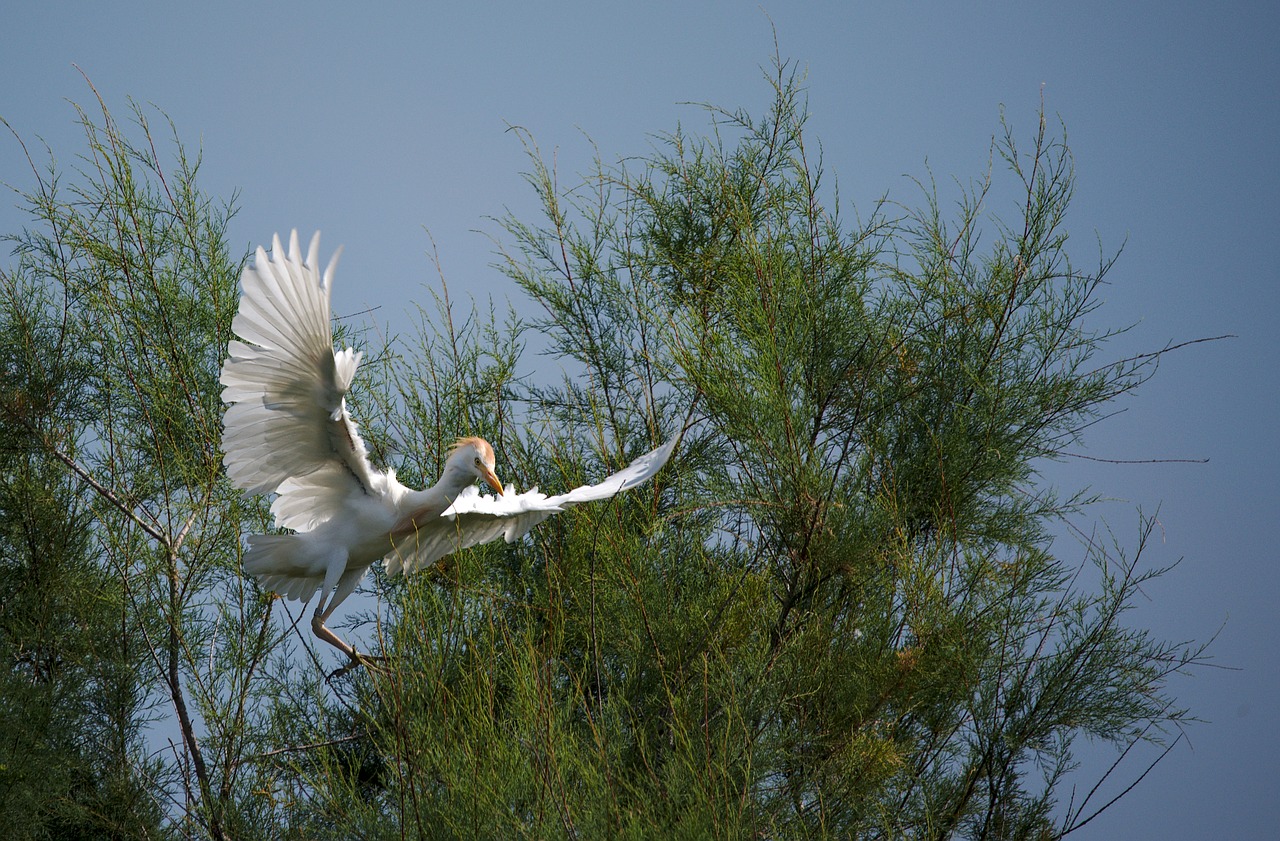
(474, 518)
(287, 432)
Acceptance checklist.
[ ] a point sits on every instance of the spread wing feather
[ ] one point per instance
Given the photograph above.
(473, 518)
(288, 430)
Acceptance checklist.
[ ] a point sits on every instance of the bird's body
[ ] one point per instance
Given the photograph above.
(287, 431)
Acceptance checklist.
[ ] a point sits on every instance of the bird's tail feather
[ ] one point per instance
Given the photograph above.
(285, 563)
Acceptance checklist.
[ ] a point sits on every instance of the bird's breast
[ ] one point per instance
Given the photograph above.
(416, 518)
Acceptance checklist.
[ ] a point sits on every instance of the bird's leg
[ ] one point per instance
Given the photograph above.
(337, 586)
(357, 659)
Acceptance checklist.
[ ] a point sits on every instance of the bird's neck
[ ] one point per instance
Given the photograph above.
(441, 495)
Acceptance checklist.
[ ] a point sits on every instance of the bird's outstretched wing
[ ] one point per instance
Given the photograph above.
(473, 518)
(287, 430)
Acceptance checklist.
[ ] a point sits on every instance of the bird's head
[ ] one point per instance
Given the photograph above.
(475, 457)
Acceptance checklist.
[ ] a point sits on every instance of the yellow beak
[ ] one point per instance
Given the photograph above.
(490, 479)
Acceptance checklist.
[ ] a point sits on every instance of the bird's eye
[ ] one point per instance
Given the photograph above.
(477, 461)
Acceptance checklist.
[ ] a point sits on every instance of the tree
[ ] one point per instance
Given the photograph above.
(839, 612)
(119, 525)
(71, 709)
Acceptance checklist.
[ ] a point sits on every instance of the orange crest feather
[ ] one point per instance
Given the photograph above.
(486, 450)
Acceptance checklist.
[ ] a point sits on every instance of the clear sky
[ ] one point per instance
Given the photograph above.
(375, 126)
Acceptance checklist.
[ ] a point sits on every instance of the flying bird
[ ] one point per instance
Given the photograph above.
(287, 432)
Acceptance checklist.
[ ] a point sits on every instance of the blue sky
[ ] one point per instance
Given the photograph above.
(376, 126)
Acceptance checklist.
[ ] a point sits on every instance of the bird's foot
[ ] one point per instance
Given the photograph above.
(373, 662)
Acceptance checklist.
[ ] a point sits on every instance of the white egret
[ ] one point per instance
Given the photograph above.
(288, 432)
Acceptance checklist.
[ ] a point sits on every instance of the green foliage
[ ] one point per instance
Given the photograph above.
(71, 704)
(122, 537)
(839, 612)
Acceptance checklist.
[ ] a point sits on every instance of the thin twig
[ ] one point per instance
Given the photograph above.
(1137, 460)
(296, 748)
(109, 495)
